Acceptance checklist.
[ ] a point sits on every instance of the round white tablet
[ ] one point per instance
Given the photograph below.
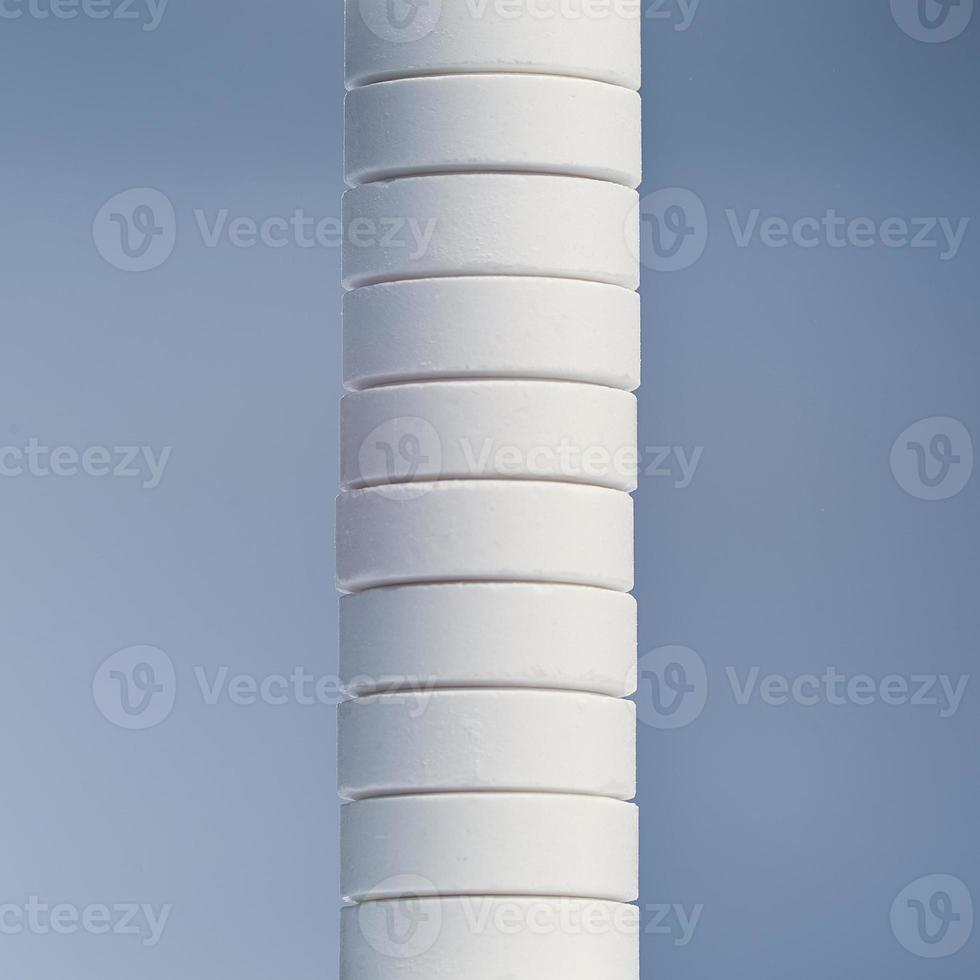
(487, 741)
(489, 430)
(488, 634)
(487, 938)
(492, 327)
(490, 844)
(492, 225)
(523, 123)
(581, 38)
(484, 530)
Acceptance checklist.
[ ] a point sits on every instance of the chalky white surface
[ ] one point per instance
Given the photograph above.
(488, 634)
(492, 327)
(491, 224)
(468, 430)
(489, 938)
(490, 844)
(487, 741)
(525, 123)
(579, 39)
(484, 530)
(491, 242)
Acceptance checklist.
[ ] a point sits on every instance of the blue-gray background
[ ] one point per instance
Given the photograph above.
(794, 548)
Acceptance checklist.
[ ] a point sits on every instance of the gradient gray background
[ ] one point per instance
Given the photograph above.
(794, 548)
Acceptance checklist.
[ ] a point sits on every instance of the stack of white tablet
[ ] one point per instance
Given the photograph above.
(484, 529)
